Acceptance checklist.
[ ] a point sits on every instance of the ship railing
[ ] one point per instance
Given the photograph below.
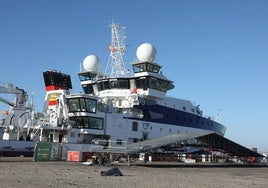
(36, 135)
(208, 117)
(109, 146)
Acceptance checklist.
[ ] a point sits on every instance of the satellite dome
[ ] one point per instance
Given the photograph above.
(91, 63)
(146, 52)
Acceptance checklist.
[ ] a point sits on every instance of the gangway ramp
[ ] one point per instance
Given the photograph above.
(148, 145)
(208, 139)
(216, 141)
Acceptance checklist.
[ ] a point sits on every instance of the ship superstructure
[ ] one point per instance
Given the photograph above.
(136, 107)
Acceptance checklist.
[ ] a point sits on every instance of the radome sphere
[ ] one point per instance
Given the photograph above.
(91, 63)
(146, 52)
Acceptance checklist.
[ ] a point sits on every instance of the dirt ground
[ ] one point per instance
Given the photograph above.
(23, 173)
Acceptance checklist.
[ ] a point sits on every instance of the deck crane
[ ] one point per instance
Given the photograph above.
(19, 113)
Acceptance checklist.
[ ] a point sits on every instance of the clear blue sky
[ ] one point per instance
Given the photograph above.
(216, 51)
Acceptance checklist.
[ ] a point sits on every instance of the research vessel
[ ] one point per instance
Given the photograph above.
(117, 107)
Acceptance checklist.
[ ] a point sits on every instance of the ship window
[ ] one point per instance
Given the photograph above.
(95, 123)
(119, 83)
(103, 85)
(113, 84)
(73, 104)
(150, 67)
(156, 69)
(139, 68)
(158, 84)
(86, 123)
(184, 108)
(86, 76)
(134, 126)
(91, 105)
(83, 77)
(119, 142)
(123, 83)
(82, 122)
(82, 104)
(155, 115)
(78, 122)
(142, 83)
(88, 89)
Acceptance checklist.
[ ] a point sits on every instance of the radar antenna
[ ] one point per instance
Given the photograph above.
(116, 64)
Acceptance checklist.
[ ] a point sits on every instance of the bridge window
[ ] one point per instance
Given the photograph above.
(119, 83)
(86, 76)
(103, 85)
(73, 104)
(88, 89)
(158, 84)
(123, 83)
(142, 83)
(143, 67)
(139, 68)
(83, 122)
(95, 123)
(82, 105)
(91, 105)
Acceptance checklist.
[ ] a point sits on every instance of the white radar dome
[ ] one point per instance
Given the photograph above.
(91, 63)
(146, 52)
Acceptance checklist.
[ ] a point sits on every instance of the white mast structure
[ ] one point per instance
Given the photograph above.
(116, 65)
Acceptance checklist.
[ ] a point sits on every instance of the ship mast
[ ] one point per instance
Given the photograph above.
(116, 65)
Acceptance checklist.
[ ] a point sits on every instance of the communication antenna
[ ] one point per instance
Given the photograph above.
(218, 116)
(116, 65)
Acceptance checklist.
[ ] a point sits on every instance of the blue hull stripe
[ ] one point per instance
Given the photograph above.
(172, 116)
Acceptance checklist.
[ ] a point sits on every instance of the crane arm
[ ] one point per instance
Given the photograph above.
(7, 102)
